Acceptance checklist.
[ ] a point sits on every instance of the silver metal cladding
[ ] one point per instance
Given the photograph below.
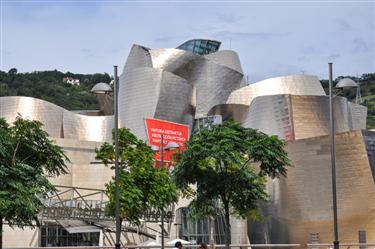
(57, 122)
(299, 207)
(292, 84)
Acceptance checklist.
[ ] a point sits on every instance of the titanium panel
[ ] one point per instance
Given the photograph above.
(302, 202)
(175, 101)
(178, 85)
(311, 115)
(214, 84)
(271, 115)
(228, 58)
(292, 84)
(173, 60)
(296, 117)
(138, 97)
(149, 92)
(50, 115)
(87, 128)
(139, 56)
(57, 122)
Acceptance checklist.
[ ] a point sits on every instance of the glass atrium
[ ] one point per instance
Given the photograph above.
(200, 47)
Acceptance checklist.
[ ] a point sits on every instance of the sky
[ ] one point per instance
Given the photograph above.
(272, 38)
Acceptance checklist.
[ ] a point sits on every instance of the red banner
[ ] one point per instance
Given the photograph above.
(171, 132)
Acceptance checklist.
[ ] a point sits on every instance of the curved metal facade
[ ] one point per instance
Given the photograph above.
(88, 128)
(57, 122)
(293, 84)
(294, 117)
(175, 61)
(278, 120)
(227, 58)
(301, 203)
(174, 85)
(151, 92)
(50, 115)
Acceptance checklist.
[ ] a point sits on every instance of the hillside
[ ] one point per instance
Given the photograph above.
(49, 85)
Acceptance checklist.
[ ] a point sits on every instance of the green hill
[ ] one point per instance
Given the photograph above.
(49, 86)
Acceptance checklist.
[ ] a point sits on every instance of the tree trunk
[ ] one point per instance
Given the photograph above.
(212, 228)
(227, 226)
(1, 232)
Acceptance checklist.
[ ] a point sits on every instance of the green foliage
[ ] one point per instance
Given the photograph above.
(367, 82)
(27, 158)
(218, 160)
(141, 185)
(48, 85)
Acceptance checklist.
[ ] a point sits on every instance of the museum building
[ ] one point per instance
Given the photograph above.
(189, 85)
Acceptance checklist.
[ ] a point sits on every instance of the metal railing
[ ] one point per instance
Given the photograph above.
(166, 246)
(309, 246)
(343, 245)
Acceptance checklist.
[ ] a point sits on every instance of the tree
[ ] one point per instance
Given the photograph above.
(27, 158)
(229, 165)
(141, 186)
(12, 71)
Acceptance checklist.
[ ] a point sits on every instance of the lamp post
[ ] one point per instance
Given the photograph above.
(344, 84)
(117, 193)
(169, 146)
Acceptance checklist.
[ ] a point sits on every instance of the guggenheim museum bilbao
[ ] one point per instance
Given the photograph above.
(190, 84)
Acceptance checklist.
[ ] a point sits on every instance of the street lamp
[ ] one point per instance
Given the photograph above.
(343, 84)
(117, 193)
(161, 148)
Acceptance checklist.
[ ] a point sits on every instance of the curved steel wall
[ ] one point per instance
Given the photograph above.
(50, 115)
(150, 92)
(293, 84)
(271, 115)
(175, 61)
(139, 56)
(294, 117)
(214, 75)
(88, 128)
(228, 58)
(138, 98)
(174, 85)
(302, 202)
(57, 122)
(175, 102)
(311, 115)
(214, 84)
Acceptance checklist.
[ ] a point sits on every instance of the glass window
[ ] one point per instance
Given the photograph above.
(197, 231)
(54, 235)
(204, 43)
(190, 47)
(200, 46)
